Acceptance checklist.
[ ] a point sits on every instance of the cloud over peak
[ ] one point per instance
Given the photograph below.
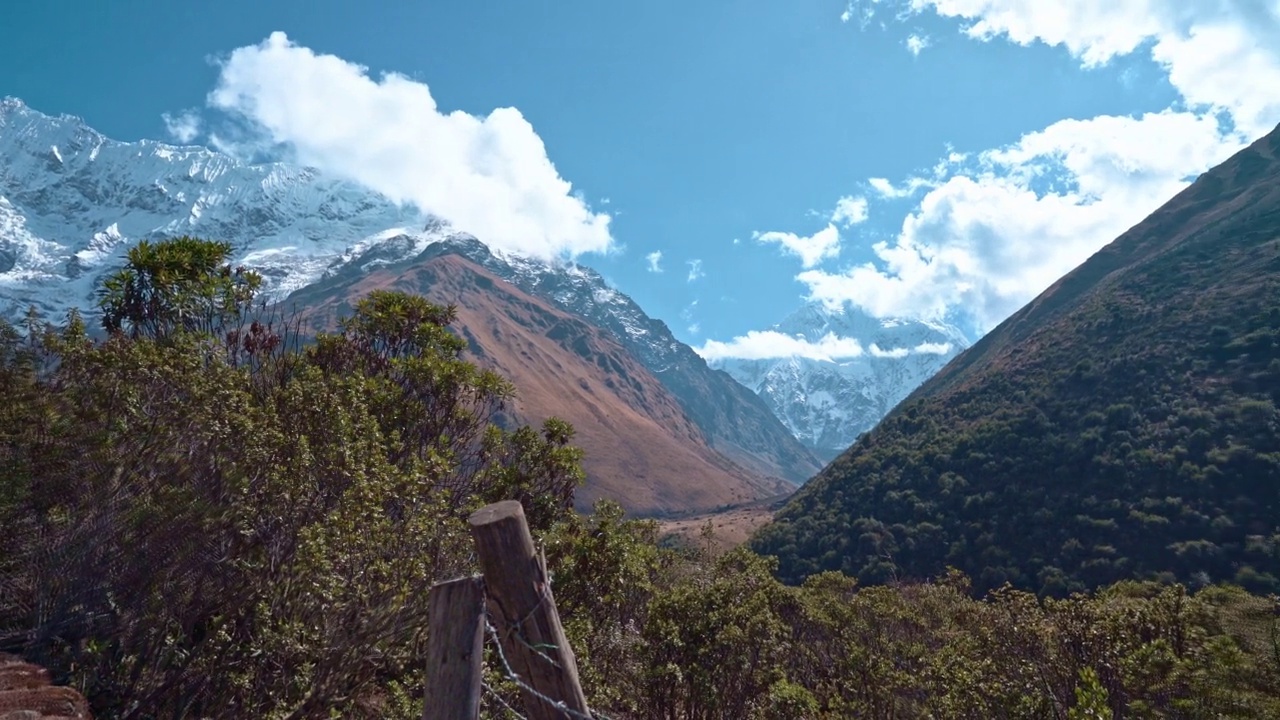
(772, 345)
(489, 175)
(183, 127)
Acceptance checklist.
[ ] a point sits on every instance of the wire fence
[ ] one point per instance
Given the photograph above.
(513, 677)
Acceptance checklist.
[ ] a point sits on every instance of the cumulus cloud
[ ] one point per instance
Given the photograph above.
(1006, 224)
(771, 345)
(183, 127)
(850, 210)
(1221, 56)
(653, 259)
(992, 229)
(695, 270)
(811, 250)
(489, 175)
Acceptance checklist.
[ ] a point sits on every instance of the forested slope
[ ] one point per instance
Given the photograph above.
(1122, 425)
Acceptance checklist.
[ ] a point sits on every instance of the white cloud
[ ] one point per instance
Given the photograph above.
(811, 250)
(768, 344)
(850, 210)
(932, 348)
(771, 344)
(183, 127)
(861, 10)
(487, 175)
(917, 43)
(989, 237)
(694, 326)
(887, 190)
(895, 353)
(695, 270)
(992, 230)
(653, 259)
(1223, 56)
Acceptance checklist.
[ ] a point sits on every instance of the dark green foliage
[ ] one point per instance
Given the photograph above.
(208, 519)
(179, 284)
(219, 522)
(1123, 425)
(667, 636)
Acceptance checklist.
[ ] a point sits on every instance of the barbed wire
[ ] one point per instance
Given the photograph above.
(514, 677)
(498, 696)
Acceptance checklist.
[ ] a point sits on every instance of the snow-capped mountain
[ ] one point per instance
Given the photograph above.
(73, 201)
(828, 402)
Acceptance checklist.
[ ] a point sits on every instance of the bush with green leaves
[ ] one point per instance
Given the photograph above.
(211, 518)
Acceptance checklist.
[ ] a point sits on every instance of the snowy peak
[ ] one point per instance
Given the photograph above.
(73, 201)
(828, 403)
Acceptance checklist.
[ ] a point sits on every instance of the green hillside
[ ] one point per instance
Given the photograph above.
(209, 518)
(1122, 425)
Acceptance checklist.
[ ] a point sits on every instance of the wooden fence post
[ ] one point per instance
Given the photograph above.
(455, 650)
(521, 605)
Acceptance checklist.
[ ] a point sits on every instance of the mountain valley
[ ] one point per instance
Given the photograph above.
(642, 449)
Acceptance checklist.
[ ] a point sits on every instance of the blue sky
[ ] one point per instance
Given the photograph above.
(929, 158)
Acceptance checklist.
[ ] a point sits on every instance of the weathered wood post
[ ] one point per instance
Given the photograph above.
(455, 650)
(521, 606)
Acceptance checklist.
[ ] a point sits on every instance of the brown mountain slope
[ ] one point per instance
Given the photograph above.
(641, 449)
(735, 420)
